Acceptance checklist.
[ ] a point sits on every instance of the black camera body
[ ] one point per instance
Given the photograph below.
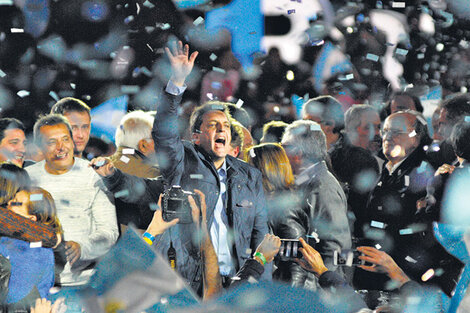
(175, 204)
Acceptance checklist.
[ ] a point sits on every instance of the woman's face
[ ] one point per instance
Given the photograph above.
(19, 204)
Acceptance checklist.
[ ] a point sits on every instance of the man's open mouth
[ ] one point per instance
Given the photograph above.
(220, 140)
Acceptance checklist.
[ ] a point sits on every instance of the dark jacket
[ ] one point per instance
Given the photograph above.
(184, 164)
(322, 210)
(404, 233)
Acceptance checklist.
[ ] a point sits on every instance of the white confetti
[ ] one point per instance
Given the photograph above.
(412, 134)
(125, 159)
(239, 103)
(148, 4)
(428, 275)
(128, 151)
(37, 244)
(2, 74)
(196, 176)
(315, 127)
(23, 93)
(17, 30)
(198, 21)
(377, 224)
(410, 259)
(35, 197)
(378, 247)
(73, 85)
(398, 5)
(406, 231)
(213, 57)
(407, 180)
(252, 153)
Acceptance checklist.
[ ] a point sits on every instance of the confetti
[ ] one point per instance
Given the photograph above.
(128, 151)
(196, 176)
(239, 103)
(467, 119)
(398, 5)
(378, 247)
(129, 19)
(407, 180)
(23, 93)
(198, 21)
(410, 259)
(420, 56)
(148, 4)
(372, 57)
(290, 11)
(35, 197)
(377, 224)
(124, 159)
(428, 275)
(72, 85)
(37, 244)
(412, 134)
(218, 69)
(317, 42)
(2, 73)
(54, 95)
(401, 51)
(130, 89)
(406, 231)
(122, 193)
(17, 30)
(315, 127)
(153, 206)
(100, 163)
(213, 57)
(252, 153)
(216, 85)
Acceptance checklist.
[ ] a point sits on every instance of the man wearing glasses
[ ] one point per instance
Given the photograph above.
(393, 222)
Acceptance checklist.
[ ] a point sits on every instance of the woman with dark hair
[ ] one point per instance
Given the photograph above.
(32, 266)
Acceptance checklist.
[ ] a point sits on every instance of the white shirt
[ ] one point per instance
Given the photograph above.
(219, 228)
(86, 213)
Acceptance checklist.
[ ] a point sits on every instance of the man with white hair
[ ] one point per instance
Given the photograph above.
(135, 153)
(135, 156)
(322, 213)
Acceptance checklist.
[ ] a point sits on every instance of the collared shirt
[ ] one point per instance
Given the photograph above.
(174, 90)
(391, 168)
(219, 228)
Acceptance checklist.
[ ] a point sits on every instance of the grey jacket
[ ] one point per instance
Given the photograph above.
(322, 210)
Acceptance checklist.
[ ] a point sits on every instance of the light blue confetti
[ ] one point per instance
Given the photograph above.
(54, 95)
(198, 21)
(2, 74)
(213, 57)
(372, 57)
(218, 69)
(467, 119)
(401, 51)
(23, 93)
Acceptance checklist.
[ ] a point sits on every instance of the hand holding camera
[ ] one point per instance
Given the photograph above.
(312, 260)
(158, 225)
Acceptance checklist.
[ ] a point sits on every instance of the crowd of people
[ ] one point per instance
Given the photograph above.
(336, 182)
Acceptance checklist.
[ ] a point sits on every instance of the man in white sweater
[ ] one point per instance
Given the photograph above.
(87, 215)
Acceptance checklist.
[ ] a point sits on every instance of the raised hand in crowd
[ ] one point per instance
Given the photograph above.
(312, 260)
(102, 166)
(181, 63)
(158, 226)
(382, 263)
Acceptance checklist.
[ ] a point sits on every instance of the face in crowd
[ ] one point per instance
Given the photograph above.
(214, 136)
(399, 136)
(12, 146)
(81, 126)
(368, 132)
(57, 147)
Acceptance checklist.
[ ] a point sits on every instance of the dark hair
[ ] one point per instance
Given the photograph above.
(457, 107)
(460, 140)
(273, 131)
(198, 114)
(12, 179)
(328, 108)
(9, 123)
(70, 104)
(240, 114)
(50, 120)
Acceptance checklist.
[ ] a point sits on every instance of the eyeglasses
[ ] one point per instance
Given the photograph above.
(393, 132)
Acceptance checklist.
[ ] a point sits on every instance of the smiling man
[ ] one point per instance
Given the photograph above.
(12, 141)
(87, 215)
(78, 115)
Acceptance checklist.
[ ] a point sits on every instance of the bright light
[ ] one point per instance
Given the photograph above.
(290, 75)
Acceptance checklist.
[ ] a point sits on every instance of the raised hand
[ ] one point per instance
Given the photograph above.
(158, 226)
(181, 63)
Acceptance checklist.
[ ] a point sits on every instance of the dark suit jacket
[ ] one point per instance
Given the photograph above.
(184, 164)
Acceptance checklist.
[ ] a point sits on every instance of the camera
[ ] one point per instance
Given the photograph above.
(175, 204)
(347, 258)
(289, 249)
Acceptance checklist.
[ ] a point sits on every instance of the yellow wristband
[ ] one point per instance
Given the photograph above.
(147, 240)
